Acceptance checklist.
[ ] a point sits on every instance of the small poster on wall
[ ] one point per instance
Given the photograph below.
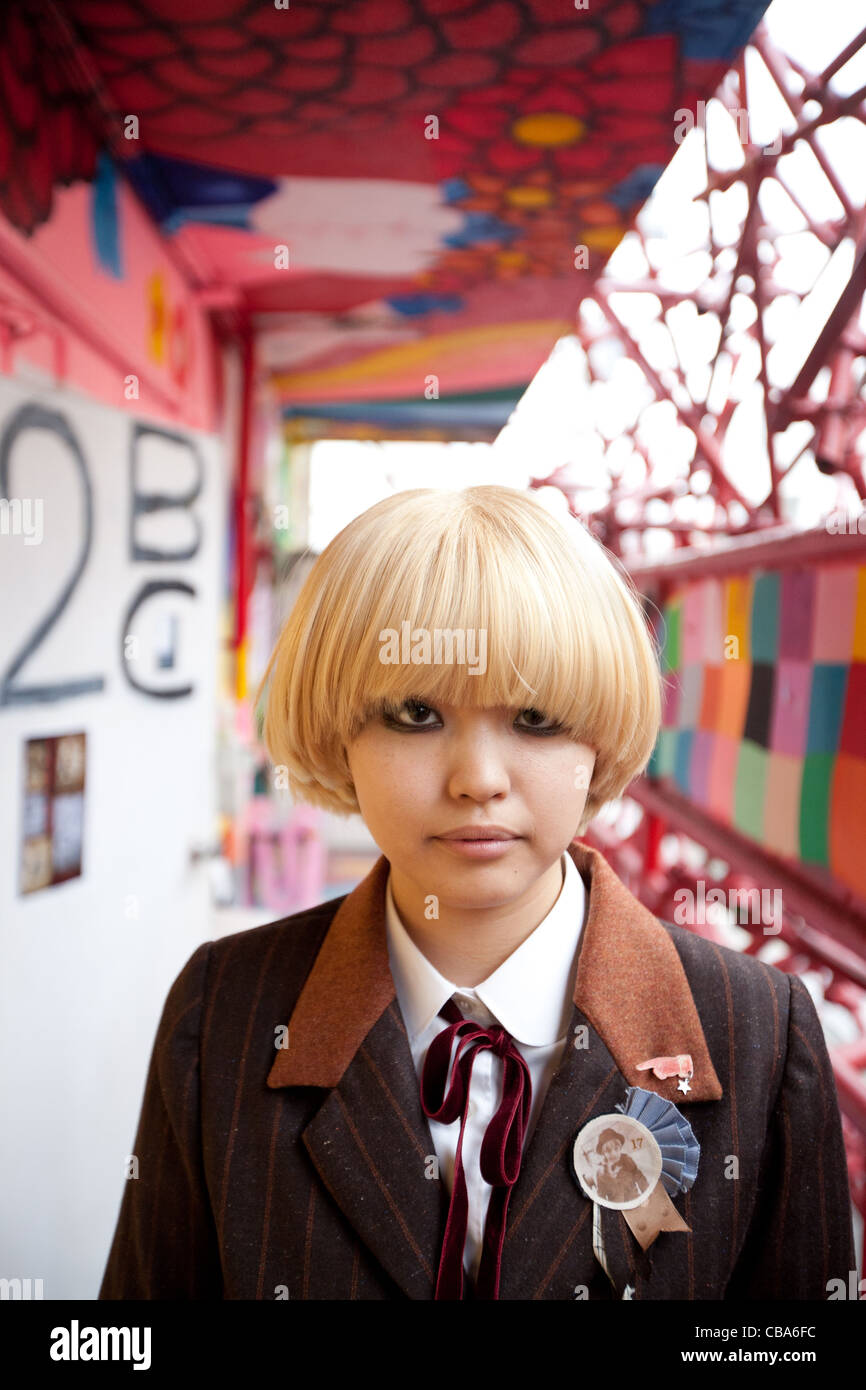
(52, 820)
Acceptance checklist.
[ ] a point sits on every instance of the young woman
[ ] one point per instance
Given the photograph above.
(379, 1098)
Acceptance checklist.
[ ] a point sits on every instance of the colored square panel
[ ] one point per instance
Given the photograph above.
(848, 797)
(70, 763)
(671, 695)
(38, 763)
(701, 632)
(699, 768)
(792, 695)
(722, 778)
(737, 621)
(815, 807)
(711, 699)
(68, 831)
(35, 817)
(858, 646)
(825, 708)
(693, 625)
(35, 871)
(833, 617)
(671, 643)
(736, 684)
(796, 606)
(852, 739)
(750, 789)
(652, 767)
(690, 699)
(682, 760)
(760, 707)
(655, 622)
(782, 804)
(765, 618)
(664, 754)
(714, 626)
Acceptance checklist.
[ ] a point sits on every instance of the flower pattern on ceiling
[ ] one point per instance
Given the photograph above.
(526, 92)
(552, 124)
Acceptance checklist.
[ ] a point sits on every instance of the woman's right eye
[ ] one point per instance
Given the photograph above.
(416, 707)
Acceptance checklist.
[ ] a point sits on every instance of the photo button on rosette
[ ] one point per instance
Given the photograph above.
(634, 1165)
(616, 1161)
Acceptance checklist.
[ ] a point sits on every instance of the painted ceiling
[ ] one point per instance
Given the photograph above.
(406, 196)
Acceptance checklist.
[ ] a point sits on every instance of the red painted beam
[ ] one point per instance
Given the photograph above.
(779, 547)
(836, 930)
(241, 505)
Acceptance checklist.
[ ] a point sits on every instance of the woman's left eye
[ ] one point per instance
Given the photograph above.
(553, 729)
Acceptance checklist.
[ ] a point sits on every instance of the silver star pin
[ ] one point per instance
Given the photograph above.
(684, 1085)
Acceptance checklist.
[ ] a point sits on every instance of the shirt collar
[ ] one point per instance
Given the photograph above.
(530, 993)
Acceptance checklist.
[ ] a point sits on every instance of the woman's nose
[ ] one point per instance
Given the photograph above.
(478, 767)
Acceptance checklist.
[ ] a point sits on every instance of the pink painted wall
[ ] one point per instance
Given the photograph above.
(149, 324)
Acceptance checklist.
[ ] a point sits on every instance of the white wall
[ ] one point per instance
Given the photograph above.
(85, 965)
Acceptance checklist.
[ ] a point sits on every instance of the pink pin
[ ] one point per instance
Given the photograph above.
(664, 1067)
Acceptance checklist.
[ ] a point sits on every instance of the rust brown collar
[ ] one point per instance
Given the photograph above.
(630, 985)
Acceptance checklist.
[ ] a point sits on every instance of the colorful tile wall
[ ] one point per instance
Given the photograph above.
(764, 718)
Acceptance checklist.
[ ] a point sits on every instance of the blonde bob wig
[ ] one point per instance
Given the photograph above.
(565, 634)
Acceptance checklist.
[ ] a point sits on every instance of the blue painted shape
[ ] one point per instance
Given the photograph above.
(635, 187)
(683, 758)
(415, 305)
(178, 190)
(825, 707)
(765, 617)
(104, 219)
(232, 215)
(455, 190)
(482, 226)
(709, 29)
(492, 412)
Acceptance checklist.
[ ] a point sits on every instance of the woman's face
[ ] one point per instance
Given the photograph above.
(421, 772)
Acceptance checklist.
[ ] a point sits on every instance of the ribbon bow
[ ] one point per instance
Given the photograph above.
(446, 1099)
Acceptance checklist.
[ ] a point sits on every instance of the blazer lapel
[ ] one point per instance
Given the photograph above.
(631, 1001)
(632, 987)
(370, 1140)
(374, 1152)
(547, 1251)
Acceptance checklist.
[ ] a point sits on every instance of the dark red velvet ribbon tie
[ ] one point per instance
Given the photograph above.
(445, 1097)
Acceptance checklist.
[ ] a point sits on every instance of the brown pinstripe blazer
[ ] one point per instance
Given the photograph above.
(300, 1172)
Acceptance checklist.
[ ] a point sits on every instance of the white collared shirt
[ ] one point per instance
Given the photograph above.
(530, 995)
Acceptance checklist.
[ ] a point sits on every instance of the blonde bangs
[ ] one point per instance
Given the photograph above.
(530, 615)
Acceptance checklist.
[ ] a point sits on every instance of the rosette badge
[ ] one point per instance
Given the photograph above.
(672, 1132)
(635, 1161)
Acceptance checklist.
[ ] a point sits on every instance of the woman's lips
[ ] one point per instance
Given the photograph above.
(480, 830)
(479, 849)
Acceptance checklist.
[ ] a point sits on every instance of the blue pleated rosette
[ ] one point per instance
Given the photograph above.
(672, 1132)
